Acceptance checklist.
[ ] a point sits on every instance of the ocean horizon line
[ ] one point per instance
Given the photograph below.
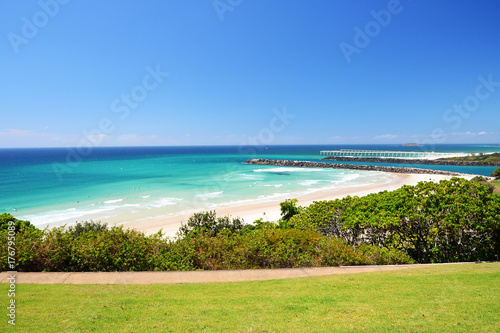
(270, 145)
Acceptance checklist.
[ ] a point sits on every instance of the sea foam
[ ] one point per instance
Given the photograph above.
(211, 195)
(288, 169)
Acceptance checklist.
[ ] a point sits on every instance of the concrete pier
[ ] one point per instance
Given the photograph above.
(387, 153)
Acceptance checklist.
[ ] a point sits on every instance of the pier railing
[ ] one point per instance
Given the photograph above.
(386, 153)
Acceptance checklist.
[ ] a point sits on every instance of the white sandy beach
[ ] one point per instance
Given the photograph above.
(270, 211)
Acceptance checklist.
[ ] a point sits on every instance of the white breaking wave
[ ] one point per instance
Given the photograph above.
(245, 176)
(347, 178)
(288, 169)
(87, 212)
(309, 182)
(210, 195)
(113, 201)
(71, 214)
(164, 202)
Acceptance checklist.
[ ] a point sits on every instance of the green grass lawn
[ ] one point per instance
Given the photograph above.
(496, 182)
(448, 298)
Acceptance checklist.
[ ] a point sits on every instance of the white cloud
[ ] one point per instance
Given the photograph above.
(386, 136)
(469, 133)
(135, 140)
(96, 137)
(128, 137)
(13, 137)
(19, 133)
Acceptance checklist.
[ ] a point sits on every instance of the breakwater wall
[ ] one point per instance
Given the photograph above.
(409, 161)
(309, 164)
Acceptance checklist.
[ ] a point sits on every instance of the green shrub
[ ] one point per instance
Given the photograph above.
(455, 220)
(117, 249)
(208, 223)
(87, 227)
(89, 249)
(5, 218)
(259, 225)
(280, 248)
(93, 249)
(483, 181)
(28, 248)
(496, 173)
(479, 179)
(319, 215)
(289, 209)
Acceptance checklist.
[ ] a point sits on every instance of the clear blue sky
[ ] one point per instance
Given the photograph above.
(420, 75)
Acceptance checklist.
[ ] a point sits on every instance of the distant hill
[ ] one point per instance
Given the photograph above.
(411, 145)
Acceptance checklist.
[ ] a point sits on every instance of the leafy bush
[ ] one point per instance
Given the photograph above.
(483, 181)
(208, 223)
(117, 249)
(318, 216)
(496, 173)
(87, 227)
(455, 220)
(289, 209)
(28, 246)
(5, 218)
(281, 248)
(90, 247)
(59, 249)
(259, 225)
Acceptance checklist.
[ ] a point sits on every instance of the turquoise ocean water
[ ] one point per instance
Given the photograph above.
(54, 186)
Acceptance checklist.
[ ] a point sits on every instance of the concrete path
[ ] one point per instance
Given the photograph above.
(191, 276)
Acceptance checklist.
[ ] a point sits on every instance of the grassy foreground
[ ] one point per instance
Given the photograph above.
(448, 298)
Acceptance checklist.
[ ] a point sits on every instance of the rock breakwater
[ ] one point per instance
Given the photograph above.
(310, 164)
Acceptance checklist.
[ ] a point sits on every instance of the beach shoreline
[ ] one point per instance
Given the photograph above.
(270, 210)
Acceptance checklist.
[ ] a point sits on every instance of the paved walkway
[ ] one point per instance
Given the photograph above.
(192, 276)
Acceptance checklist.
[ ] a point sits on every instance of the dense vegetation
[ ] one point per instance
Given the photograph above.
(494, 157)
(18, 224)
(208, 243)
(496, 173)
(456, 220)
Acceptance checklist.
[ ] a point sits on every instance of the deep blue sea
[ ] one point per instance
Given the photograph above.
(53, 186)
